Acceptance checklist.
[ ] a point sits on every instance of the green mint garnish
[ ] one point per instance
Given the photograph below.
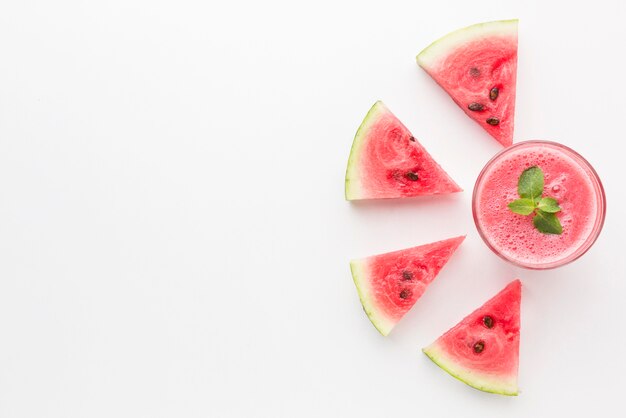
(530, 183)
(548, 204)
(547, 223)
(530, 189)
(523, 206)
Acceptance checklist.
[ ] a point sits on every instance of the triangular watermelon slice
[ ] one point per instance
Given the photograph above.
(390, 284)
(483, 349)
(386, 161)
(477, 66)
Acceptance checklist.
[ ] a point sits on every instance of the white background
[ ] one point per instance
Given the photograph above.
(173, 236)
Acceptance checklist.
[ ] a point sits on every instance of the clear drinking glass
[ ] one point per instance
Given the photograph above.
(597, 187)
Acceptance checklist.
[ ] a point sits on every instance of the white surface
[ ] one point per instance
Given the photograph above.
(173, 235)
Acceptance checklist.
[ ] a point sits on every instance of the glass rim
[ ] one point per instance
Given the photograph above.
(598, 188)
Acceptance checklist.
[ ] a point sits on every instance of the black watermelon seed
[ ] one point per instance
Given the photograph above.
(479, 347)
(412, 176)
(493, 93)
(405, 293)
(493, 121)
(412, 139)
(476, 107)
(488, 321)
(407, 275)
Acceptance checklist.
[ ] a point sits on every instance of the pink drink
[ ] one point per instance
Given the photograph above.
(569, 178)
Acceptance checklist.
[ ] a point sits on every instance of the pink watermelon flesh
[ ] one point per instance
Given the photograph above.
(387, 161)
(390, 284)
(483, 349)
(469, 67)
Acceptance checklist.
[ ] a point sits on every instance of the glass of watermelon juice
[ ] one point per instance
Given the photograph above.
(568, 178)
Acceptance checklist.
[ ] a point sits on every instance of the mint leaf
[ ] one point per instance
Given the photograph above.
(548, 204)
(530, 183)
(522, 206)
(530, 188)
(547, 223)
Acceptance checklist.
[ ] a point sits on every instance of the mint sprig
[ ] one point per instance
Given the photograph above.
(530, 189)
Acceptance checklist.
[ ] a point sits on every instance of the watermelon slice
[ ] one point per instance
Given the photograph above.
(386, 161)
(483, 349)
(390, 284)
(477, 66)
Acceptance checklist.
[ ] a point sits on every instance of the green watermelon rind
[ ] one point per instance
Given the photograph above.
(353, 186)
(483, 382)
(378, 319)
(443, 46)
